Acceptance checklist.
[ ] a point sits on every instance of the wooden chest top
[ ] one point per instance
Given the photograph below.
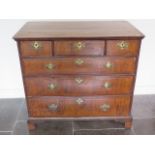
(77, 29)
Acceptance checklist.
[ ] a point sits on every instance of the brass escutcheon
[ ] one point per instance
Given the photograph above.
(123, 45)
(105, 107)
(49, 66)
(52, 86)
(107, 85)
(53, 107)
(36, 45)
(108, 65)
(79, 61)
(79, 80)
(79, 45)
(79, 101)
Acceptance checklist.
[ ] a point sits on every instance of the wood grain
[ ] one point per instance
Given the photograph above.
(77, 29)
(67, 106)
(67, 85)
(27, 50)
(114, 50)
(68, 47)
(97, 65)
(103, 61)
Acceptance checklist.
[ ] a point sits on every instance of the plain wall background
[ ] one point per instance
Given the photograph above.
(11, 85)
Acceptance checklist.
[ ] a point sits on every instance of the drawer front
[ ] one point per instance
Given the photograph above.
(79, 66)
(79, 47)
(36, 48)
(78, 86)
(123, 47)
(75, 106)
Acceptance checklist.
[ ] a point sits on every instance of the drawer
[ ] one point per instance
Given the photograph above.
(79, 106)
(123, 47)
(36, 48)
(79, 47)
(79, 66)
(78, 85)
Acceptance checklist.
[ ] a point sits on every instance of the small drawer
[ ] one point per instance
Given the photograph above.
(123, 47)
(80, 65)
(78, 85)
(79, 47)
(36, 48)
(79, 106)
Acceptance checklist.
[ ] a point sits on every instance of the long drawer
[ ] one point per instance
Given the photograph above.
(79, 106)
(78, 85)
(81, 65)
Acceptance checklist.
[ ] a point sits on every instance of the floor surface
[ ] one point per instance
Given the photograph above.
(13, 121)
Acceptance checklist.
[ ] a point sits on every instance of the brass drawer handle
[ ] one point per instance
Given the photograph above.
(107, 85)
(36, 45)
(108, 65)
(79, 101)
(79, 45)
(79, 61)
(78, 80)
(123, 45)
(105, 107)
(49, 66)
(52, 86)
(53, 107)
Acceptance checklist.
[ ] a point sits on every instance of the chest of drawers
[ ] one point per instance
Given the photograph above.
(79, 70)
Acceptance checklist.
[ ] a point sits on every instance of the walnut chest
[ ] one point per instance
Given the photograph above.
(79, 70)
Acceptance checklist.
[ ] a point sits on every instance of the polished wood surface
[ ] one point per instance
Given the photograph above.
(27, 49)
(102, 65)
(79, 70)
(77, 29)
(68, 86)
(86, 47)
(114, 50)
(68, 107)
